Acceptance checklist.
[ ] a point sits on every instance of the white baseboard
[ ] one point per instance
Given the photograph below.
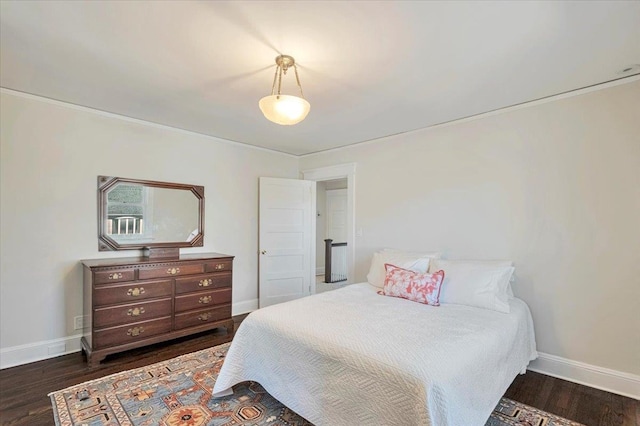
(244, 307)
(32, 352)
(320, 270)
(613, 381)
(38, 351)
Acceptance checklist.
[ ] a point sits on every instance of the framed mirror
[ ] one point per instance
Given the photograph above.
(144, 214)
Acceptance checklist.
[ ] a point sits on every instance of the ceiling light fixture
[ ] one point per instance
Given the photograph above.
(284, 109)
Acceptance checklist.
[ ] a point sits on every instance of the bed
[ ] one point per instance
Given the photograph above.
(354, 357)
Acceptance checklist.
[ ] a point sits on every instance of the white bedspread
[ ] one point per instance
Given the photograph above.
(353, 357)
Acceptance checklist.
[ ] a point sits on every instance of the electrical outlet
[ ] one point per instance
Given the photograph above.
(78, 322)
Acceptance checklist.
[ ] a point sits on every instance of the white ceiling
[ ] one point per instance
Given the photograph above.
(369, 69)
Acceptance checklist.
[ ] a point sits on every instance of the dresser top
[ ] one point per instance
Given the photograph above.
(141, 260)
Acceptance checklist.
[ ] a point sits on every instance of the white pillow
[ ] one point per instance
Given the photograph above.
(494, 263)
(417, 262)
(483, 284)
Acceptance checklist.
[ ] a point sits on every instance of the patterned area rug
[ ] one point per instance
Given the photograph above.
(178, 393)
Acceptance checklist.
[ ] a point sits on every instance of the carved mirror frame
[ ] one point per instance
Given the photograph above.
(106, 243)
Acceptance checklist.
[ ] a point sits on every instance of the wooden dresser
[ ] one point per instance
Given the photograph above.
(137, 301)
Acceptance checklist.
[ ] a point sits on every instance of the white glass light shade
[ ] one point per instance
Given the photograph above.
(284, 109)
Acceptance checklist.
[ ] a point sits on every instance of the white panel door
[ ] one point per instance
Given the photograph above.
(337, 215)
(287, 240)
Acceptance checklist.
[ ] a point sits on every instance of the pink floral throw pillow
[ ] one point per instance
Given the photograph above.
(415, 286)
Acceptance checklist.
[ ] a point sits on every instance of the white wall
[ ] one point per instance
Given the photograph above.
(553, 186)
(51, 155)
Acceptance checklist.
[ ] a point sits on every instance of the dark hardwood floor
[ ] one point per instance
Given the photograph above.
(24, 389)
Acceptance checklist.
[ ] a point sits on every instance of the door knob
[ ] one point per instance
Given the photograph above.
(263, 252)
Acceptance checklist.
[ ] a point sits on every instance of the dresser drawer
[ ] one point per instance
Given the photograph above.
(131, 312)
(203, 282)
(114, 276)
(131, 332)
(203, 299)
(201, 317)
(131, 292)
(170, 270)
(218, 265)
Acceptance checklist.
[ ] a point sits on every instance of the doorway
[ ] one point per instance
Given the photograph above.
(335, 217)
(331, 234)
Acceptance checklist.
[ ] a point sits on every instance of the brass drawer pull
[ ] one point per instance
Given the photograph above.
(205, 299)
(205, 282)
(219, 266)
(204, 317)
(135, 291)
(135, 312)
(115, 276)
(173, 271)
(135, 331)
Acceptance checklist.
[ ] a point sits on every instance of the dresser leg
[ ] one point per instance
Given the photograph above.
(230, 327)
(94, 360)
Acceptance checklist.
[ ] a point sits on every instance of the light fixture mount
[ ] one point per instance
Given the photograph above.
(284, 109)
(285, 61)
